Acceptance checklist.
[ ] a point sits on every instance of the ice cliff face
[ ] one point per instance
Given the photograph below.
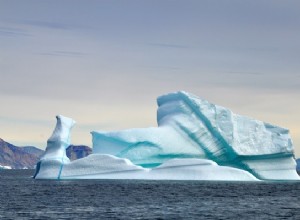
(194, 140)
(190, 127)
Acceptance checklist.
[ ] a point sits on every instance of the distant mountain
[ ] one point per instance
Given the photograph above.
(75, 152)
(33, 150)
(13, 157)
(18, 157)
(298, 166)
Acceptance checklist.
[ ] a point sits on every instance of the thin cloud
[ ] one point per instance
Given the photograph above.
(13, 32)
(25, 121)
(162, 67)
(47, 24)
(176, 46)
(64, 53)
(245, 73)
(55, 25)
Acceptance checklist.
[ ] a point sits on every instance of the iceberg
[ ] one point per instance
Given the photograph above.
(194, 140)
(5, 167)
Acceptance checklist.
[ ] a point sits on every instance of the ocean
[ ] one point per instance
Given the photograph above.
(25, 198)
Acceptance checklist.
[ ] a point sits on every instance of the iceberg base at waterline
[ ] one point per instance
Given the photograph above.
(194, 140)
(102, 166)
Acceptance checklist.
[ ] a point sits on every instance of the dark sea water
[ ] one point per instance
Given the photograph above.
(24, 198)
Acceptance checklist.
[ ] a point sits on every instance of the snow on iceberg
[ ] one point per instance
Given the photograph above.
(194, 140)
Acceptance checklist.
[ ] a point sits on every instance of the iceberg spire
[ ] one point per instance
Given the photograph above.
(57, 145)
(59, 140)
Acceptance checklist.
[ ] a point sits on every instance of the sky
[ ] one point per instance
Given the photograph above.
(103, 63)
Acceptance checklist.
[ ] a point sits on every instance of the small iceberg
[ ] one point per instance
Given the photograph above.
(4, 167)
(194, 140)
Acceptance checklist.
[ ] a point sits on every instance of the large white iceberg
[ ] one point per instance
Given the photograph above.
(194, 140)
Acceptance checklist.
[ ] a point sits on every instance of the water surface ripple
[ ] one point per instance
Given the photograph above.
(25, 198)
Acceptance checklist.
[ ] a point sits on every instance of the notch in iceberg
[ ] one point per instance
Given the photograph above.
(194, 140)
